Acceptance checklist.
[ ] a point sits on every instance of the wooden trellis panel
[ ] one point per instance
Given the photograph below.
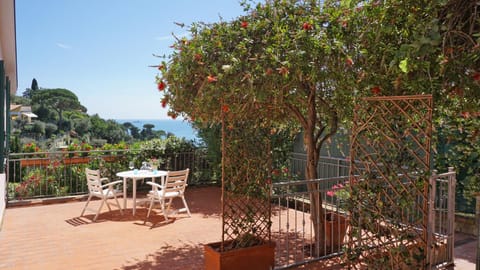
(246, 167)
(390, 154)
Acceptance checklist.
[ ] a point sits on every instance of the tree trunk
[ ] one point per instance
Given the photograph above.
(316, 210)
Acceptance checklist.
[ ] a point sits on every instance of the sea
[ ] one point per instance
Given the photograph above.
(180, 128)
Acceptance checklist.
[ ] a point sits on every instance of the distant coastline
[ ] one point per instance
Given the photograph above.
(180, 128)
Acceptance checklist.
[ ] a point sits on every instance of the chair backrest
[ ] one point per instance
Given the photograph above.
(93, 180)
(176, 181)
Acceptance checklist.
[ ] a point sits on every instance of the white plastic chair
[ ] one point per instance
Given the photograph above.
(173, 187)
(104, 192)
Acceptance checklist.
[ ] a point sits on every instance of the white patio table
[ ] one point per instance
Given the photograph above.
(135, 175)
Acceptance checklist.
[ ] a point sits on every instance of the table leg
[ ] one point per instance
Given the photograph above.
(134, 195)
(124, 192)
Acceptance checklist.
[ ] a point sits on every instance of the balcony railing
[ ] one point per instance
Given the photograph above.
(62, 173)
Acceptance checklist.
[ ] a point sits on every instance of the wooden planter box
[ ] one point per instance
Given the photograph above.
(261, 257)
(110, 158)
(77, 160)
(34, 162)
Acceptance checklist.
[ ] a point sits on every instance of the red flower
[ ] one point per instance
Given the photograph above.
(276, 172)
(283, 71)
(376, 90)
(344, 24)
(161, 86)
(164, 102)
(211, 79)
(244, 24)
(349, 61)
(285, 170)
(466, 115)
(269, 71)
(476, 76)
(172, 115)
(161, 67)
(225, 108)
(198, 57)
(307, 26)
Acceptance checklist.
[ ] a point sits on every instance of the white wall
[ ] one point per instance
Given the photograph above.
(3, 187)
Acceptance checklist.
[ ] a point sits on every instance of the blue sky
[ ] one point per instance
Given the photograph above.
(101, 49)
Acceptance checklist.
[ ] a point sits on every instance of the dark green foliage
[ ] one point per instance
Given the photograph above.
(34, 85)
(58, 100)
(39, 128)
(50, 129)
(109, 130)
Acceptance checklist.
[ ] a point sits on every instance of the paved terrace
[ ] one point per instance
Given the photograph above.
(53, 236)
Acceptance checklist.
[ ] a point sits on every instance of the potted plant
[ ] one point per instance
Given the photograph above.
(33, 159)
(258, 255)
(336, 222)
(86, 148)
(246, 168)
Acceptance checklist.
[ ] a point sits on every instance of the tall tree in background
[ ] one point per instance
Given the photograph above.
(58, 100)
(34, 85)
(28, 93)
(147, 131)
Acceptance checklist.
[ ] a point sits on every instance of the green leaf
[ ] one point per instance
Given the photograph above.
(404, 65)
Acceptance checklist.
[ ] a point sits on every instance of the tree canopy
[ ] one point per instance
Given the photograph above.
(309, 61)
(58, 100)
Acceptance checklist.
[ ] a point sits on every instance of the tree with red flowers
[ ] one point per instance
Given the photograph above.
(279, 62)
(306, 62)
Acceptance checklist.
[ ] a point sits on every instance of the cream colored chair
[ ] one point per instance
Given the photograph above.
(172, 187)
(102, 191)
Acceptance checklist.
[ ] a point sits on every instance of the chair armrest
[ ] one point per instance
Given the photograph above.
(112, 183)
(103, 179)
(154, 184)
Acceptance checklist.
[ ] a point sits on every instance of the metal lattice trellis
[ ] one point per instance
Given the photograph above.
(389, 183)
(246, 162)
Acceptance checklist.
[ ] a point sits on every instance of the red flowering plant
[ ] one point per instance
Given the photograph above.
(32, 147)
(73, 147)
(86, 148)
(339, 194)
(293, 68)
(283, 174)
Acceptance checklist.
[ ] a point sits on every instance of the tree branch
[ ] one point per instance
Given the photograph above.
(333, 123)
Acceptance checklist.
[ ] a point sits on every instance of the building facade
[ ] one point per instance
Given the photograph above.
(8, 86)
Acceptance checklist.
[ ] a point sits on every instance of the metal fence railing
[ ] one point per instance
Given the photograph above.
(292, 226)
(442, 219)
(62, 173)
(294, 232)
(327, 166)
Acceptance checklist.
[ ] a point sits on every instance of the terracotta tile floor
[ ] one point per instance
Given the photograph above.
(55, 237)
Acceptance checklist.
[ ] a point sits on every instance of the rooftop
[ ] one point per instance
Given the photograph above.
(53, 236)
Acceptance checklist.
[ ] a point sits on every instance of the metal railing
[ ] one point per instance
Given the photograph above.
(294, 233)
(293, 229)
(62, 173)
(327, 166)
(442, 219)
